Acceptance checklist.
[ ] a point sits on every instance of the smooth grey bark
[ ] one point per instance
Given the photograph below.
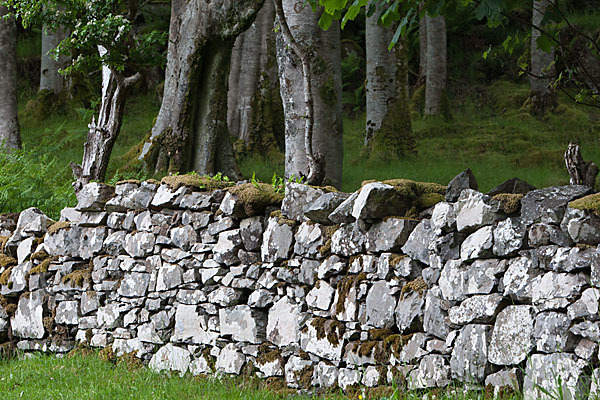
(323, 52)
(250, 66)
(422, 50)
(10, 135)
(50, 79)
(435, 86)
(191, 132)
(388, 127)
(104, 130)
(542, 65)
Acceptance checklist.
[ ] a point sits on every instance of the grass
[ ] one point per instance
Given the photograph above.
(46, 377)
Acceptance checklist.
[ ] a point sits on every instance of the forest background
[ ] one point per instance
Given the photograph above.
(488, 119)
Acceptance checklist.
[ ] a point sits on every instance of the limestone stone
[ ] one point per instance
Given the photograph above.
(67, 312)
(320, 209)
(417, 245)
(110, 316)
(503, 380)
(308, 240)
(433, 372)
(93, 196)
(551, 332)
(294, 368)
(542, 234)
(556, 290)
(347, 378)
(169, 277)
(191, 325)
(458, 280)
(587, 329)
(331, 266)
(134, 284)
(171, 358)
(326, 375)
(509, 237)
(201, 366)
(390, 234)
(377, 200)
(196, 201)
(349, 240)
(228, 245)
(582, 227)
(131, 197)
(469, 361)
(328, 346)
(551, 376)
(475, 210)
(343, 213)
(277, 241)
(414, 350)
(478, 245)
(443, 217)
(381, 305)
(225, 296)
(435, 319)
(479, 309)
(283, 326)
(261, 298)
(518, 279)
(587, 306)
(139, 244)
(17, 280)
(64, 242)
(464, 180)
(409, 312)
(373, 376)
(270, 368)
(27, 323)
(549, 205)
(512, 337)
(243, 324)
(251, 232)
(167, 198)
(113, 244)
(320, 296)
(183, 237)
(297, 197)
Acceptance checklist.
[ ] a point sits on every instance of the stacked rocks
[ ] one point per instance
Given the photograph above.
(390, 284)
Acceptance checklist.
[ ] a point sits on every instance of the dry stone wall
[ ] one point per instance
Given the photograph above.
(332, 290)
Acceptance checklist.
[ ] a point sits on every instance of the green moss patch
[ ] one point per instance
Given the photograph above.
(57, 226)
(416, 286)
(256, 197)
(343, 288)
(78, 277)
(330, 329)
(589, 203)
(510, 203)
(281, 220)
(415, 196)
(195, 181)
(4, 278)
(7, 261)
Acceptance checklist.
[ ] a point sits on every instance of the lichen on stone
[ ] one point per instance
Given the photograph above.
(589, 203)
(327, 233)
(256, 197)
(510, 203)
(57, 226)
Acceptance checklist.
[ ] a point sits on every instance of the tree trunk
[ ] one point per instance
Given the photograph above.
(422, 50)
(323, 51)
(10, 136)
(50, 79)
(435, 86)
(543, 97)
(104, 131)
(388, 129)
(233, 98)
(190, 132)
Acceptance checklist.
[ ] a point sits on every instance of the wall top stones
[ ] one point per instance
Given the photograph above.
(400, 283)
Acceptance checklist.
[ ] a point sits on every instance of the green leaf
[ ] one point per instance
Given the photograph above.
(544, 43)
(325, 21)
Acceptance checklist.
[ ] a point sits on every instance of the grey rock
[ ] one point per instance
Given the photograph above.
(309, 239)
(435, 319)
(587, 349)
(458, 280)
(191, 326)
(409, 312)
(551, 332)
(549, 205)
(582, 227)
(587, 329)
(220, 225)
(225, 296)
(131, 197)
(251, 232)
(93, 196)
(518, 279)
(542, 234)
(475, 210)
(349, 240)
(320, 209)
(169, 277)
(90, 302)
(27, 323)
(139, 244)
(243, 324)
(331, 266)
(417, 245)
(294, 366)
(513, 186)
(414, 349)
(92, 240)
(446, 247)
(270, 368)
(196, 201)
(555, 290)
(113, 244)
(283, 326)
(261, 298)
(320, 296)
(503, 380)
(67, 312)
(464, 180)
(227, 247)
(17, 280)
(232, 205)
(348, 378)
(469, 361)
(587, 306)
(373, 376)
(312, 342)
(443, 217)
(110, 316)
(544, 372)
(433, 372)
(390, 234)
(277, 241)
(167, 198)
(297, 197)
(478, 245)
(134, 284)
(381, 304)
(343, 213)
(377, 200)
(184, 237)
(480, 309)
(326, 375)
(65, 242)
(89, 218)
(509, 237)
(171, 358)
(512, 337)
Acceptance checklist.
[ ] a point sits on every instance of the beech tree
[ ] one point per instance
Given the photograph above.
(309, 61)
(190, 133)
(103, 34)
(437, 70)
(10, 137)
(543, 96)
(388, 127)
(50, 77)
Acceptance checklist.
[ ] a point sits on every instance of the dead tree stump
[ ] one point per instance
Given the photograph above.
(581, 172)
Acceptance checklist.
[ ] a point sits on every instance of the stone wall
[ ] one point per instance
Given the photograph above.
(371, 288)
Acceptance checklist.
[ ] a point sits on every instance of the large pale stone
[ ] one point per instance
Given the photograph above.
(378, 200)
(381, 304)
(549, 205)
(283, 327)
(228, 245)
(469, 361)
(390, 234)
(134, 284)
(435, 319)
(551, 332)
(277, 241)
(554, 291)
(93, 196)
(309, 239)
(243, 324)
(139, 244)
(582, 227)
(458, 280)
(509, 236)
(320, 296)
(192, 326)
(433, 372)
(349, 240)
(475, 210)
(512, 338)
(518, 279)
(297, 198)
(554, 376)
(481, 308)
(323, 338)
(417, 245)
(171, 358)
(409, 312)
(27, 323)
(184, 237)
(230, 360)
(67, 312)
(478, 244)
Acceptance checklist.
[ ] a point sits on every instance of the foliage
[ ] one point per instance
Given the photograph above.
(92, 24)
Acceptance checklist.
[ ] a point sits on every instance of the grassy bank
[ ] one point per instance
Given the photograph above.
(45, 377)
